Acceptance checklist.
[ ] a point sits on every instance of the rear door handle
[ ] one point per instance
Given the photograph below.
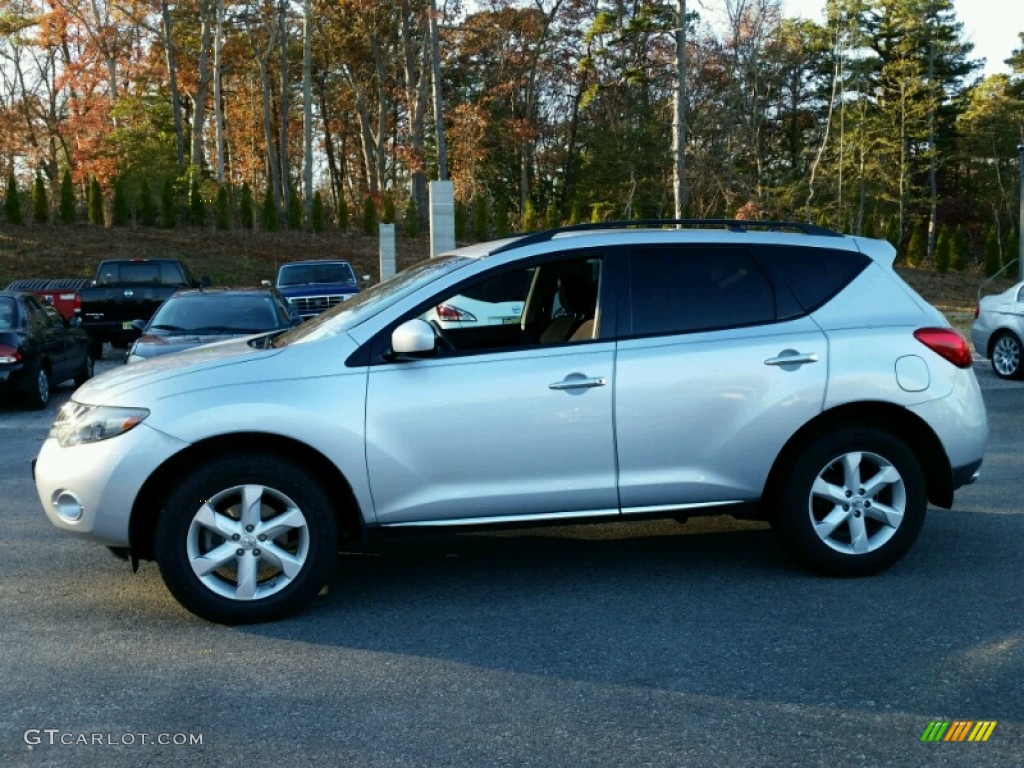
(578, 381)
(792, 357)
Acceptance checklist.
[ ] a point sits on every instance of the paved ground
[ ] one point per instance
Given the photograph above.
(612, 645)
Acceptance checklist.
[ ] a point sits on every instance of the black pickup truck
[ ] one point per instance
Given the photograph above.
(125, 290)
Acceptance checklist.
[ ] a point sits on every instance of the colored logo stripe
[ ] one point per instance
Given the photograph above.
(935, 730)
(982, 730)
(958, 730)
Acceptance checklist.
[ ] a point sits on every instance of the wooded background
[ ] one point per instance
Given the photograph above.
(319, 113)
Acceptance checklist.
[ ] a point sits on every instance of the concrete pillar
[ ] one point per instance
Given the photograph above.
(442, 217)
(387, 251)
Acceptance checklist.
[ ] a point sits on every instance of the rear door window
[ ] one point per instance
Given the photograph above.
(682, 289)
(814, 275)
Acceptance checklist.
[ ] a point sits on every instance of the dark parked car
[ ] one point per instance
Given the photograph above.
(195, 317)
(38, 348)
(314, 286)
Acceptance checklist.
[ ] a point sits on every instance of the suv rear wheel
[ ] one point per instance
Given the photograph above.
(246, 539)
(852, 503)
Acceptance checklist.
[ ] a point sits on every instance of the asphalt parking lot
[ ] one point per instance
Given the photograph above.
(615, 645)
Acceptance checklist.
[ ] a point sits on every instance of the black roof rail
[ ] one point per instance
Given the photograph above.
(734, 225)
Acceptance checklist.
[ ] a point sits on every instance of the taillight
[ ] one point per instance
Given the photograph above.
(946, 343)
(9, 354)
(451, 314)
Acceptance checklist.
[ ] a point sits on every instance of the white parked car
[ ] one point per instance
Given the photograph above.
(718, 368)
(998, 331)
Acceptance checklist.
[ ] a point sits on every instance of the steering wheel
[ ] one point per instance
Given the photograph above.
(443, 341)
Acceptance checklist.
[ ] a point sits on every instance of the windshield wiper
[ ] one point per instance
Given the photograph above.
(166, 328)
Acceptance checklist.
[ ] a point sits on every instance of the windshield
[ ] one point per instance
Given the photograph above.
(215, 313)
(307, 274)
(366, 304)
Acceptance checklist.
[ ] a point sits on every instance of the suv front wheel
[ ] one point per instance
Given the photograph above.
(851, 503)
(246, 539)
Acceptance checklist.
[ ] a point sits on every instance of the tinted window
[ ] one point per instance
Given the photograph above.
(8, 313)
(511, 286)
(36, 314)
(678, 290)
(308, 274)
(215, 313)
(815, 275)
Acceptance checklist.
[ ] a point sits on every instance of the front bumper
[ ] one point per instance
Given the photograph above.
(99, 481)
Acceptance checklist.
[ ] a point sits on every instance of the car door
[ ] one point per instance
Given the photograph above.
(49, 339)
(711, 378)
(518, 431)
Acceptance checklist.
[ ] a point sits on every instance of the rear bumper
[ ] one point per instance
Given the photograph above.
(14, 377)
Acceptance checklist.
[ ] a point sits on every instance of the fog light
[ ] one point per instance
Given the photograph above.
(68, 506)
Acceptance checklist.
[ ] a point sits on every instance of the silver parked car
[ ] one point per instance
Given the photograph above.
(998, 330)
(781, 372)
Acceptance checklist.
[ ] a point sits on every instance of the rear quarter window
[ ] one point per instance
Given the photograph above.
(814, 275)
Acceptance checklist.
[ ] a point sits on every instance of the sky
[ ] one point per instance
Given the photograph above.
(992, 25)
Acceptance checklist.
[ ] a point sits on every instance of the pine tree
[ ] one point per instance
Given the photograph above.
(387, 215)
(40, 201)
(343, 222)
(168, 205)
(501, 222)
(943, 251)
(916, 247)
(119, 211)
(411, 218)
(576, 213)
(1012, 249)
(529, 216)
(96, 203)
(222, 211)
(551, 218)
(245, 207)
(269, 210)
(481, 219)
(294, 209)
(147, 213)
(370, 222)
(461, 220)
(12, 201)
(196, 205)
(993, 262)
(318, 212)
(68, 214)
(958, 250)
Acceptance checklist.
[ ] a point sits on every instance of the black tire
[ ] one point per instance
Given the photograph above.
(1006, 356)
(217, 596)
(96, 349)
(859, 518)
(86, 371)
(38, 394)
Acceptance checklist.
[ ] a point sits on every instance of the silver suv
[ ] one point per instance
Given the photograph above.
(777, 371)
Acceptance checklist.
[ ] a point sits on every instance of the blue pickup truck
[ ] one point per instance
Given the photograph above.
(313, 286)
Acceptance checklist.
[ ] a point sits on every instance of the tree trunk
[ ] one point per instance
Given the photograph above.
(307, 108)
(202, 89)
(679, 114)
(172, 79)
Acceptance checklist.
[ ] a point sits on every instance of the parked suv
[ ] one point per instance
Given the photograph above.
(775, 371)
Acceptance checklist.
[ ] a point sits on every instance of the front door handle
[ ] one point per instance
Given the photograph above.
(792, 357)
(578, 381)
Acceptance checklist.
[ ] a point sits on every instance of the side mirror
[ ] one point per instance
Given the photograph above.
(139, 325)
(265, 284)
(413, 337)
(366, 282)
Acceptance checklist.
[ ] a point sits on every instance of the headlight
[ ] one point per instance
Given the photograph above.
(77, 423)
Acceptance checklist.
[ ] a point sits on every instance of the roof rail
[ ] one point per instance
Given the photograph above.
(734, 225)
